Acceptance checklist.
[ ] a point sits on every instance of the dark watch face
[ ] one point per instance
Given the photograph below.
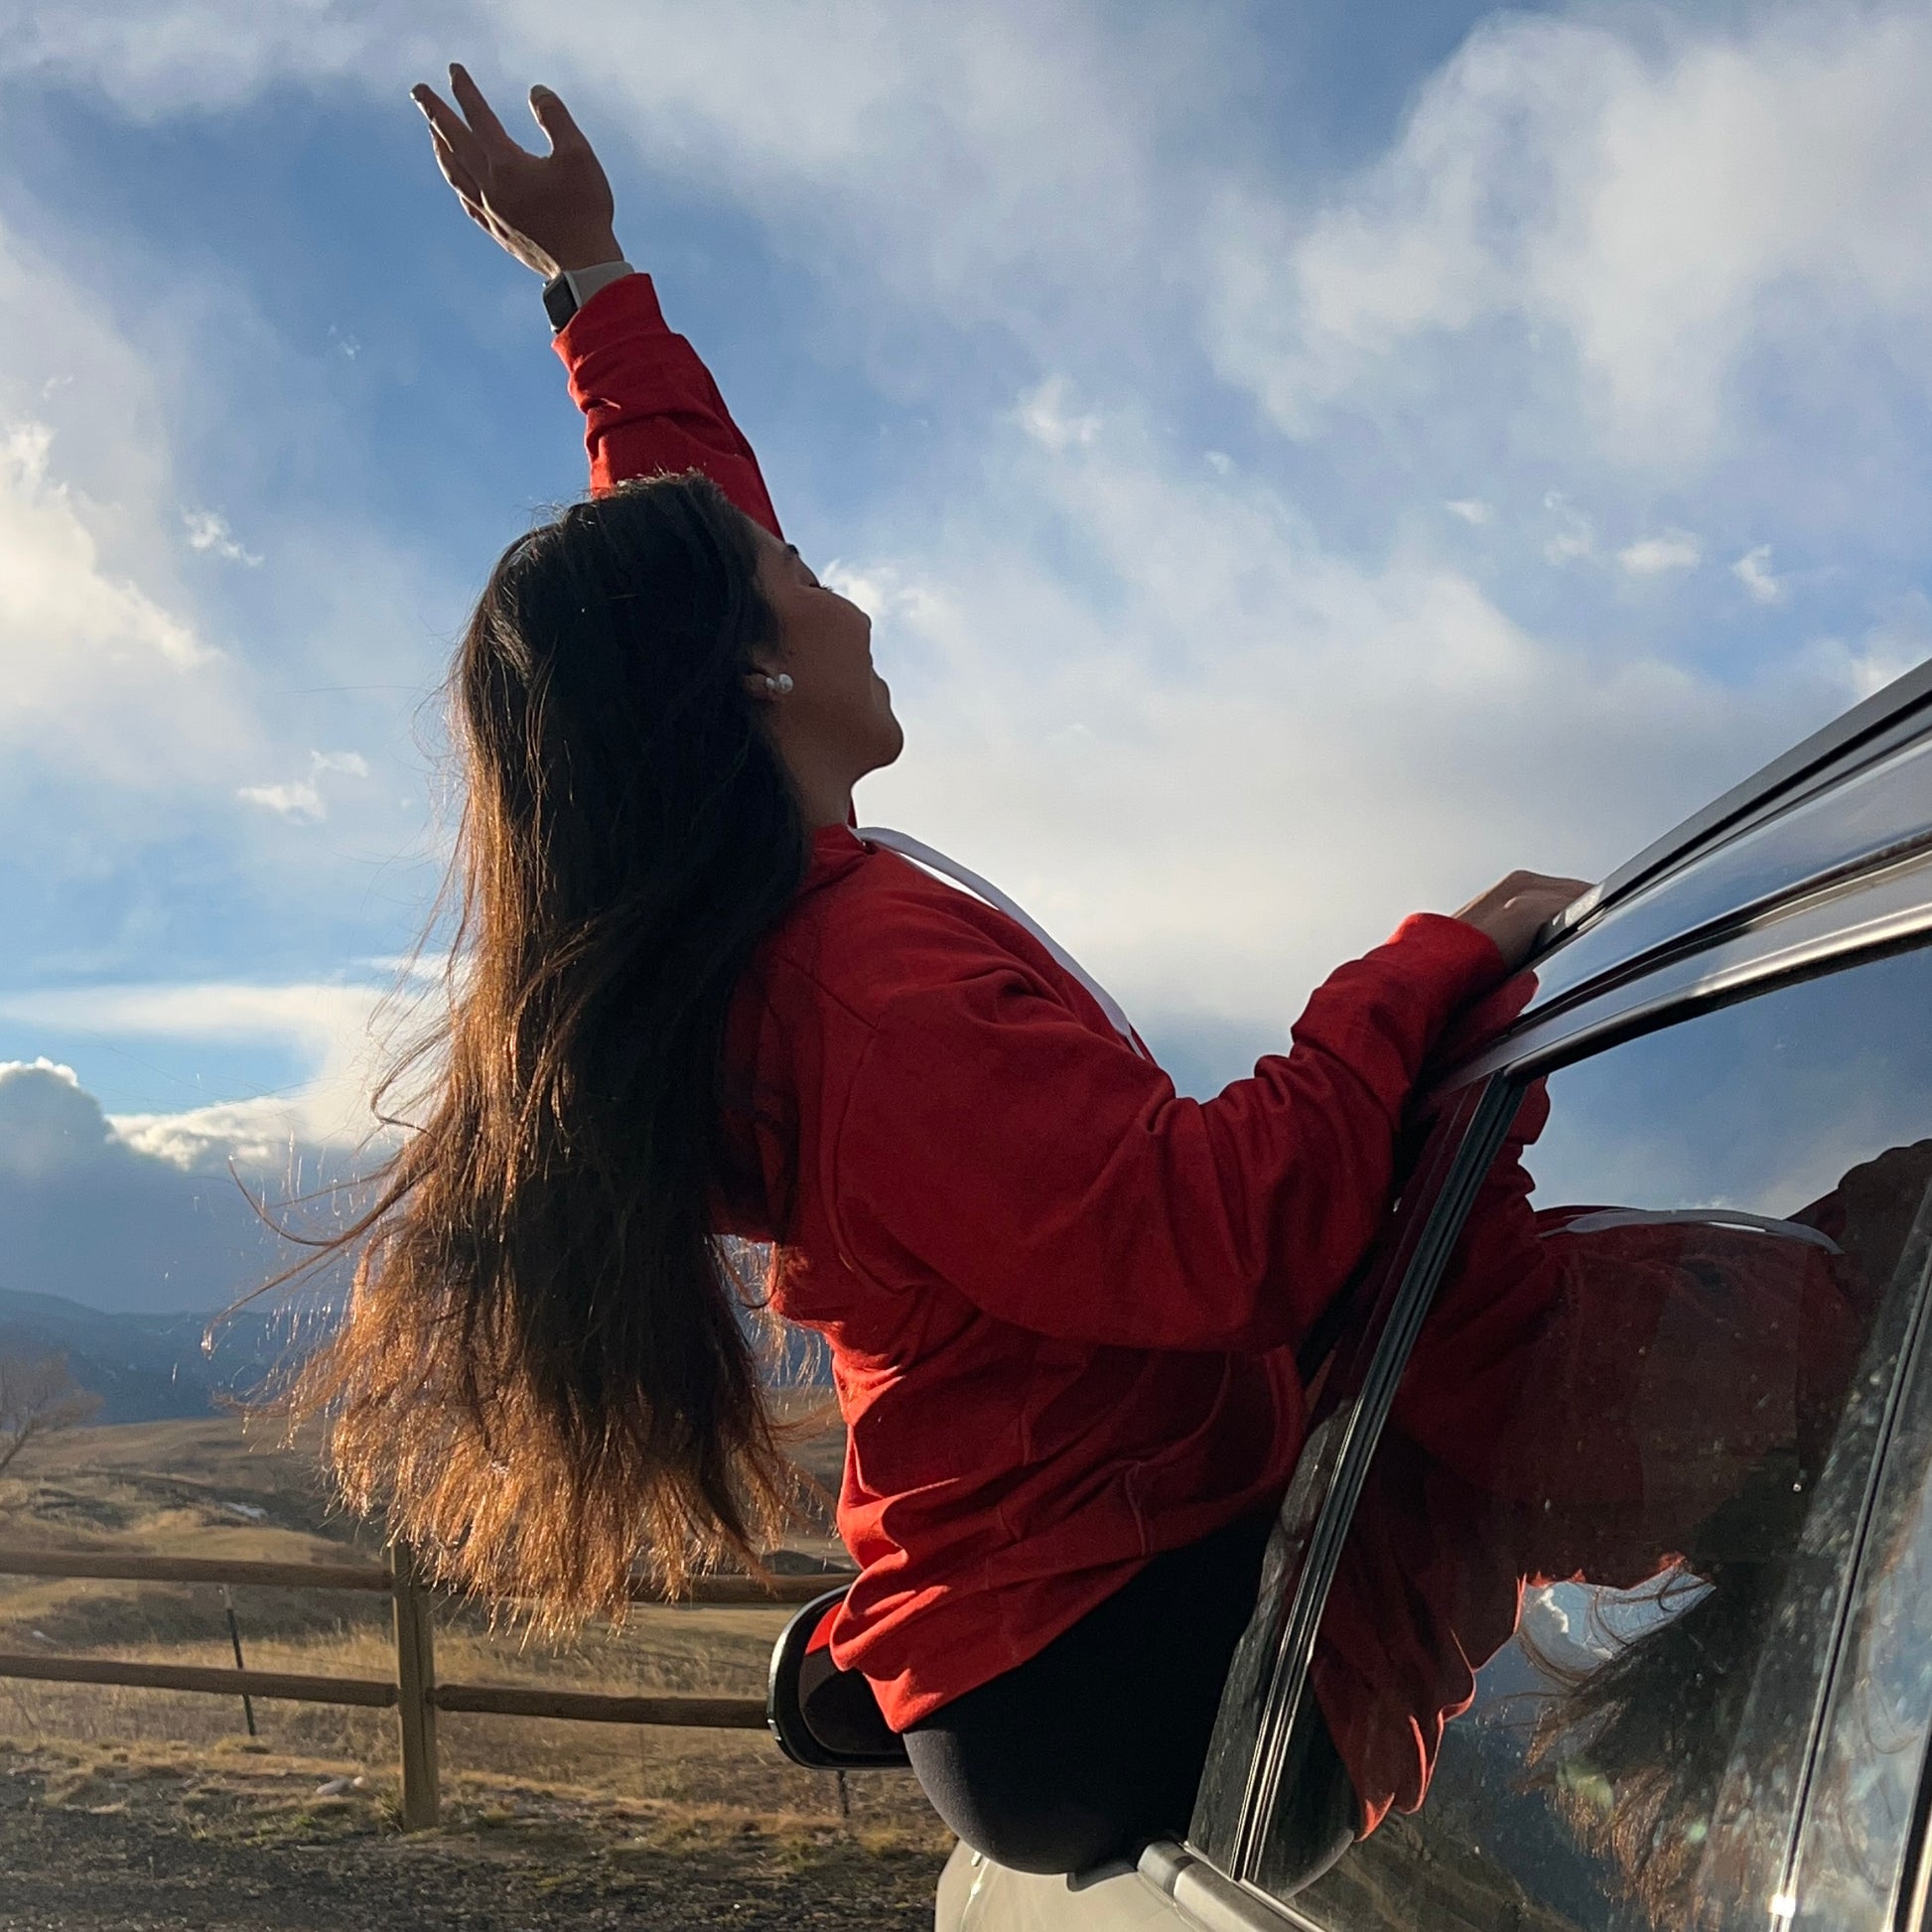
(559, 303)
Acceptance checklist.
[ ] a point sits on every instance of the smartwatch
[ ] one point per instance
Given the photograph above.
(564, 293)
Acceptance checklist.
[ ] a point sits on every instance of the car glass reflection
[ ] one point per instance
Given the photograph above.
(1571, 1654)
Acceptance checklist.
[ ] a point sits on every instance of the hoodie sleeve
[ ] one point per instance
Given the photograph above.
(649, 404)
(994, 1141)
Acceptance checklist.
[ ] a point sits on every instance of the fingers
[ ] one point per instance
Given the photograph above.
(560, 130)
(480, 115)
(447, 133)
(467, 186)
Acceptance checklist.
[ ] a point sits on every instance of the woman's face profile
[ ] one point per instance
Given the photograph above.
(839, 712)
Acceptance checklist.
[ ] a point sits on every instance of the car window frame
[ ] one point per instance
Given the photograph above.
(1338, 1360)
(1755, 962)
(1898, 1495)
(1316, 1520)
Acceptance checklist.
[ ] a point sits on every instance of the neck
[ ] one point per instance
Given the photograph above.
(824, 797)
(821, 779)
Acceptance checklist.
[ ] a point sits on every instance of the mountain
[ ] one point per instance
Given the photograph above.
(153, 1368)
(147, 1367)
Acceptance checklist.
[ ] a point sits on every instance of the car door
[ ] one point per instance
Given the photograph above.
(1575, 1648)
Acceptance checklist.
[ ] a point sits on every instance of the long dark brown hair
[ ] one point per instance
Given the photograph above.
(548, 1370)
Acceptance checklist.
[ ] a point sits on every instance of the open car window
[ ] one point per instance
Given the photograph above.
(1571, 1658)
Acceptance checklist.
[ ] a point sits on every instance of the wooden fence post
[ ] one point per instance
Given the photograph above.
(415, 1685)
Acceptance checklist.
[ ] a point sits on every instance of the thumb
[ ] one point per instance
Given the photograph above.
(554, 118)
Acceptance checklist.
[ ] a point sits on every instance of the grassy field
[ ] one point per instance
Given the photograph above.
(202, 1488)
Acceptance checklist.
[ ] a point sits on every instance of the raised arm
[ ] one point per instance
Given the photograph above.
(649, 404)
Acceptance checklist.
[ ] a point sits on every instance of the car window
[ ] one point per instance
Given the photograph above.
(1568, 1665)
(1335, 1361)
(1865, 1787)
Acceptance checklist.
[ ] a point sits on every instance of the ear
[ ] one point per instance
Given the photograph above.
(766, 686)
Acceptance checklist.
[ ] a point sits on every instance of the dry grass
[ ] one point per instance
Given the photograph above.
(201, 1488)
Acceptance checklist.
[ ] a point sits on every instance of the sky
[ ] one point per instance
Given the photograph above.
(1299, 471)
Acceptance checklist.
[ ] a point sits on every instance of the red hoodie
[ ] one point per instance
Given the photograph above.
(1061, 1301)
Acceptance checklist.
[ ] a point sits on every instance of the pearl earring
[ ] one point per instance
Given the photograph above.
(779, 685)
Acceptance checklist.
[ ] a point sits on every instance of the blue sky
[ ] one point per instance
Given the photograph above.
(1299, 472)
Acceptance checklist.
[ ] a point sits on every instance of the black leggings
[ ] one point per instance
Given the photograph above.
(1096, 1745)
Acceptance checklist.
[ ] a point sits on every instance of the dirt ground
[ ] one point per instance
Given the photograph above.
(172, 1841)
(137, 1810)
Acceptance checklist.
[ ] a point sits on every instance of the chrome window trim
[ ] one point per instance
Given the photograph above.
(1875, 725)
(1886, 905)
(1435, 1242)
(1865, 815)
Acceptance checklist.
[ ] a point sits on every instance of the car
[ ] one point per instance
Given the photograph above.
(1601, 1595)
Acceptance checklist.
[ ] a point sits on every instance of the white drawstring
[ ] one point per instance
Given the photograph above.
(924, 855)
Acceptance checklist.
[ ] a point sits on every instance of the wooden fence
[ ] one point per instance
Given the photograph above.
(416, 1695)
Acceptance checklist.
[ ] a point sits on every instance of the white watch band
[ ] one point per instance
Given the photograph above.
(584, 282)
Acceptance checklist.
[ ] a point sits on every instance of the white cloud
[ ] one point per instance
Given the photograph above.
(261, 1137)
(1650, 200)
(106, 676)
(1047, 416)
(1573, 537)
(879, 590)
(1899, 641)
(52, 590)
(1654, 556)
(1234, 758)
(1216, 753)
(300, 799)
(938, 147)
(157, 58)
(42, 1131)
(87, 1214)
(1753, 571)
(207, 530)
(93, 671)
(339, 1031)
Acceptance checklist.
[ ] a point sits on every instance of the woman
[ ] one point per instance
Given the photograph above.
(1062, 1303)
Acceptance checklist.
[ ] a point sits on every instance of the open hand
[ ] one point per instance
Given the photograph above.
(1515, 909)
(550, 210)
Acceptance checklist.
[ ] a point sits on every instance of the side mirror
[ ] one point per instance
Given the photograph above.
(824, 1718)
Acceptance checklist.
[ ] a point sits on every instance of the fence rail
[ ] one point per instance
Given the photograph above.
(709, 1592)
(225, 1681)
(113, 1568)
(415, 1695)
